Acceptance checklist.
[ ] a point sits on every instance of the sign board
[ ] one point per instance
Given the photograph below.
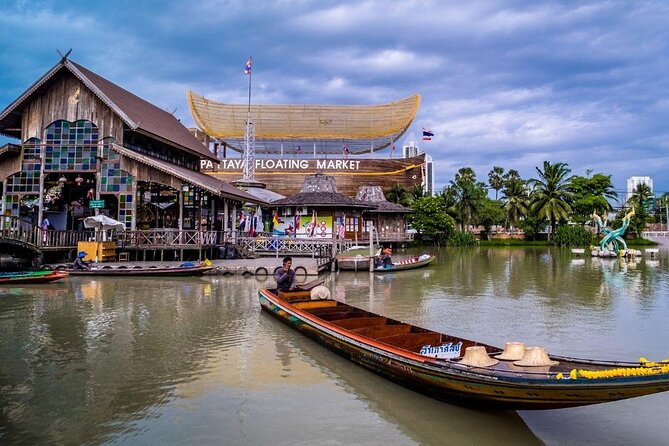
(99, 204)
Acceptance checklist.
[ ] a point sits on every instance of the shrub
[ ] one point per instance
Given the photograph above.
(567, 235)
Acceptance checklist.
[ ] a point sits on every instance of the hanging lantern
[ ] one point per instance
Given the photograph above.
(78, 180)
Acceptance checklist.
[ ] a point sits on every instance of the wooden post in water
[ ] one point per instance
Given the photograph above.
(371, 247)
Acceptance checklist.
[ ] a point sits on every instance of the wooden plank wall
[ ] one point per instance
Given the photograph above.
(68, 98)
(375, 172)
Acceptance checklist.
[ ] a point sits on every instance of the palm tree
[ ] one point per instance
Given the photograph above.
(417, 192)
(398, 194)
(465, 193)
(496, 179)
(515, 200)
(640, 196)
(551, 195)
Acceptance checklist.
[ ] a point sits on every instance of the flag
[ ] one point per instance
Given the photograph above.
(427, 135)
(247, 68)
(313, 224)
(251, 225)
(275, 219)
(346, 151)
(342, 227)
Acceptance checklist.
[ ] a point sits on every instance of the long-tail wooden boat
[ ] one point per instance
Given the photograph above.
(30, 277)
(144, 271)
(393, 349)
(410, 263)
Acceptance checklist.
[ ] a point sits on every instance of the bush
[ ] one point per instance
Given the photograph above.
(566, 235)
(461, 238)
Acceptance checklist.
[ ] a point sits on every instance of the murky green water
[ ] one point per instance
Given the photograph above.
(194, 361)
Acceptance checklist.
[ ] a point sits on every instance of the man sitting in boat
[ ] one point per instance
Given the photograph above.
(385, 259)
(79, 263)
(285, 276)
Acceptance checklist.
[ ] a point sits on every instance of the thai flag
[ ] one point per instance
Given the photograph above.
(247, 68)
(427, 135)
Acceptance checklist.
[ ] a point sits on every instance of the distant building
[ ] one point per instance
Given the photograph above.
(633, 183)
(411, 149)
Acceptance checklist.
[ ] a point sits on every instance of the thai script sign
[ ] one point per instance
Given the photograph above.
(444, 351)
(96, 204)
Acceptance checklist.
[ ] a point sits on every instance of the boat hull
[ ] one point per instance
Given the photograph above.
(27, 278)
(412, 263)
(447, 381)
(145, 272)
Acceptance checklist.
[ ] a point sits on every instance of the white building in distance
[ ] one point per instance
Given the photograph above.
(633, 183)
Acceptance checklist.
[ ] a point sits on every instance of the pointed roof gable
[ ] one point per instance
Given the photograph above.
(138, 114)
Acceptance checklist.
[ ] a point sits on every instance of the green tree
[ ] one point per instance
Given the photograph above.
(399, 194)
(489, 213)
(466, 193)
(496, 179)
(551, 196)
(430, 218)
(516, 200)
(418, 191)
(591, 194)
(640, 196)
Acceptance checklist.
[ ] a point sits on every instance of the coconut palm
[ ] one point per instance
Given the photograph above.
(551, 196)
(496, 179)
(515, 200)
(466, 193)
(399, 194)
(640, 196)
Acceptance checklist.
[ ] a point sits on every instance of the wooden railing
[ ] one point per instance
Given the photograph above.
(13, 228)
(317, 248)
(170, 238)
(389, 237)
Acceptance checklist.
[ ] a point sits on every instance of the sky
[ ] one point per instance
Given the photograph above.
(503, 83)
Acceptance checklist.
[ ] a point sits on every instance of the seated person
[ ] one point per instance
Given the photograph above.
(80, 264)
(285, 276)
(385, 258)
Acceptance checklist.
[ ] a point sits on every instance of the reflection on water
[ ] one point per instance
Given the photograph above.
(146, 361)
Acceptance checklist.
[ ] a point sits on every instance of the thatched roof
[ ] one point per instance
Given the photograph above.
(283, 128)
(321, 191)
(374, 196)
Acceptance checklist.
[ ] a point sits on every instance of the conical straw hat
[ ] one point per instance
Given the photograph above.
(476, 356)
(513, 351)
(535, 357)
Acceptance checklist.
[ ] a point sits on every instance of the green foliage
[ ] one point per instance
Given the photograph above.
(496, 179)
(638, 222)
(461, 238)
(430, 218)
(567, 235)
(465, 194)
(399, 194)
(591, 194)
(489, 213)
(516, 200)
(551, 195)
(532, 226)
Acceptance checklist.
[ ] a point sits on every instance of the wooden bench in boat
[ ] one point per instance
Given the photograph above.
(360, 322)
(335, 316)
(412, 341)
(383, 330)
(316, 304)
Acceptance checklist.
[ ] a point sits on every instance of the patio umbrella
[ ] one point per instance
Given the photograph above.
(103, 222)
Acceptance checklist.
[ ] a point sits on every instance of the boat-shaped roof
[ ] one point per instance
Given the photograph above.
(328, 128)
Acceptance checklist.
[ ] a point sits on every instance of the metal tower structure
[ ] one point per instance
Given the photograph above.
(249, 166)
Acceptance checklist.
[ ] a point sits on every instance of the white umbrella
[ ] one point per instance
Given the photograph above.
(103, 222)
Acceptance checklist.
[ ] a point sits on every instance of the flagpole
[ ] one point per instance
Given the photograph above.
(250, 74)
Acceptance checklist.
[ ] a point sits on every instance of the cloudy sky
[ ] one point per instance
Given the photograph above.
(508, 83)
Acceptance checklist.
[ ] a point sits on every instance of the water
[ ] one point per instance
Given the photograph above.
(194, 361)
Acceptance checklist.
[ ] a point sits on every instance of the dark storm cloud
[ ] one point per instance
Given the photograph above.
(508, 83)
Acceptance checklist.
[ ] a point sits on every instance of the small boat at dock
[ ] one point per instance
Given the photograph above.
(441, 366)
(140, 271)
(404, 264)
(31, 277)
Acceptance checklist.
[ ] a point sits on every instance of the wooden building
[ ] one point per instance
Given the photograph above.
(88, 144)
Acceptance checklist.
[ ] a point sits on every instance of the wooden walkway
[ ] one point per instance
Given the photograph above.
(264, 266)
